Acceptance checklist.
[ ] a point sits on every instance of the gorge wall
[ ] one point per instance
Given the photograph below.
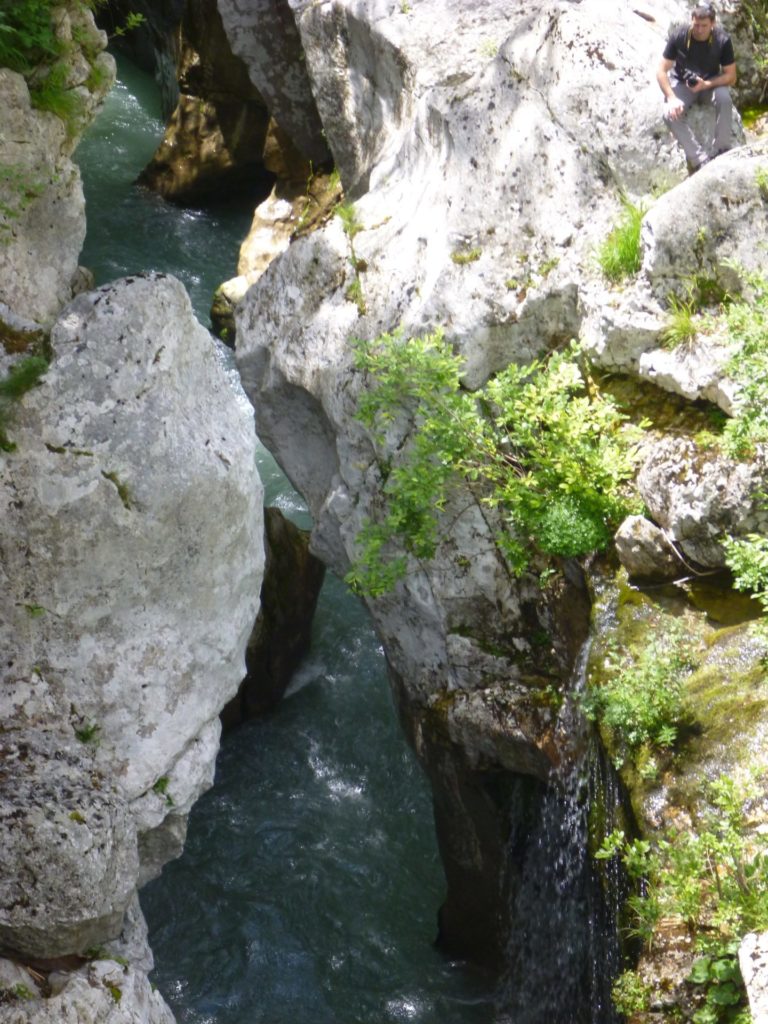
(488, 148)
(131, 557)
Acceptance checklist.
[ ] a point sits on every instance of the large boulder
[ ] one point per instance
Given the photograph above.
(128, 605)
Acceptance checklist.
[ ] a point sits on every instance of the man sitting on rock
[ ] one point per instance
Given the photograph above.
(703, 67)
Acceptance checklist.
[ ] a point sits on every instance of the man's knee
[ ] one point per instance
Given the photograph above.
(721, 97)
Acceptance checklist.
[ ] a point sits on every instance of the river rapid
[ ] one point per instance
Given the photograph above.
(309, 887)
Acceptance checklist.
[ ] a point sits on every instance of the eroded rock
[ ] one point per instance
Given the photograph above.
(68, 857)
(42, 225)
(127, 607)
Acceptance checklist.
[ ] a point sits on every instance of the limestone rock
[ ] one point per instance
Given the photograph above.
(42, 225)
(68, 857)
(644, 551)
(214, 139)
(263, 33)
(128, 608)
(753, 960)
(697, 497)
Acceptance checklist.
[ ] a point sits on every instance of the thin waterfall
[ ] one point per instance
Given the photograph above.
(563, 946)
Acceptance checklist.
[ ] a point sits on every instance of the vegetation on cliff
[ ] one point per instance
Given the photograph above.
(539, 445)
(22, 377)
(35, 43)
(712, 882)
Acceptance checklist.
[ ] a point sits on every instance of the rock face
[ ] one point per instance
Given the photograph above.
(460, 632)
(127, 612)
(215, 137)
(487, 150)
(42, 214)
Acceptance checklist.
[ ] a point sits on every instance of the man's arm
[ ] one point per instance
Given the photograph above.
(727, 77)
(662, 77)
(676, 106)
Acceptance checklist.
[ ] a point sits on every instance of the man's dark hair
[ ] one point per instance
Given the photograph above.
(704, 11)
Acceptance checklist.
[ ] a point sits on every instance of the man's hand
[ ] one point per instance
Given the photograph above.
(676, 107)
(701, 85)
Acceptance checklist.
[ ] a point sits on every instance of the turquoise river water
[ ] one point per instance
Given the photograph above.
(310, 883)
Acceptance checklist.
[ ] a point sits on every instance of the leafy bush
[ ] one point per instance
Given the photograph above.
(642, 700)
(747, 558)
(538, 444)
(27, 37)
(746, 324)
(714, 880)
(619, 255)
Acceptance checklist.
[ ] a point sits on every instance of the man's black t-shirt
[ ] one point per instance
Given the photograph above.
(705, 59)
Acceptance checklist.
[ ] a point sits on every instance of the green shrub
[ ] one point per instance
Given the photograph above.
(27, 37)
(747, 558)
(538, 444)
(746, 325)
(630, 994)
(18, 190)
(714, 880)
(619, 256)
(642, 700)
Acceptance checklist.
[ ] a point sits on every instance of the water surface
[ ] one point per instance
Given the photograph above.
(309, 887)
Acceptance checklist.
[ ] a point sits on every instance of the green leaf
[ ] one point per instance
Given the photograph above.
(700, 971)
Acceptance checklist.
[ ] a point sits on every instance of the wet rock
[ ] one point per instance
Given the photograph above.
(281, 637)
(154, 45)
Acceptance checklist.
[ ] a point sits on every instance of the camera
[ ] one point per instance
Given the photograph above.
(691, 78)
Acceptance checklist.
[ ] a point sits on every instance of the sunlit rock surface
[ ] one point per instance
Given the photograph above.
(42, 218)
(131, 555)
